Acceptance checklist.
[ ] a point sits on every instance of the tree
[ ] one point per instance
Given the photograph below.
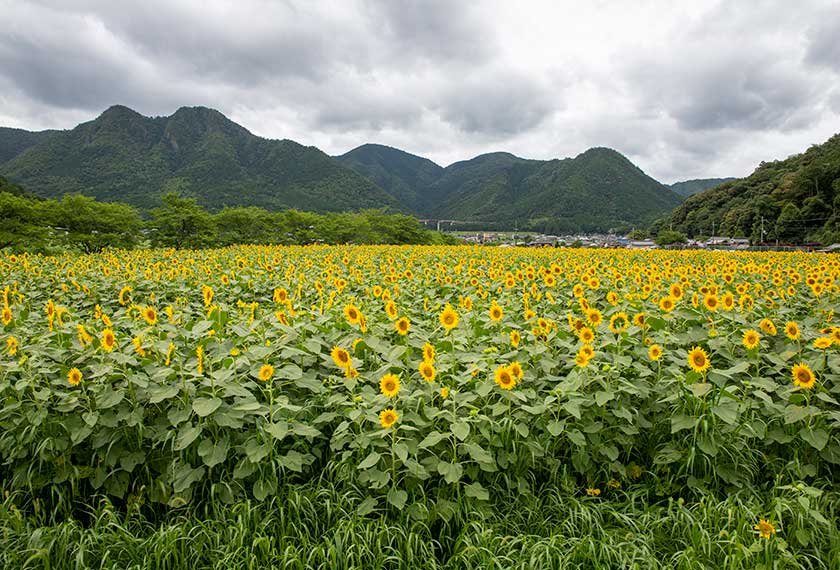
(670, 237)
(92, 226)
(181, 223)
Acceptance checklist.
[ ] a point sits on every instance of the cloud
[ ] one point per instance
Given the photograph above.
(684, 89)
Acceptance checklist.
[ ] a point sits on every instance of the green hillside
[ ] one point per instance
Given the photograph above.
(598, 190)
(124, 156)
(796, 200)
(690, 187)
(15, 141)
(404, 176)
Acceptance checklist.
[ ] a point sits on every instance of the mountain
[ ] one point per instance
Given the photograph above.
(794, 200)
(15, 141)
(690, 187)
(123, 156)
(400, 174)
(598, 190)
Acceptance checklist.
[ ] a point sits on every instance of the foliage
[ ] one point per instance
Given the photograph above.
(793, 200)
(74, 222)
(690, 187)
(169, 379)
(122, 156)
(15, 141)
(670, 237)
(404, 176)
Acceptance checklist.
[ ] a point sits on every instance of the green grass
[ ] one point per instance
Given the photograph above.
(317, 525)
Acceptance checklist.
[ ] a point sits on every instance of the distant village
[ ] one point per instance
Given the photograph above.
(511, 239)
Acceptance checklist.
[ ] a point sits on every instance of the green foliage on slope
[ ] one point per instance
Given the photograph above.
(15, 141)
(795, 200)
(124, 156)
(404, 176)
(597, 190)
(688, 188)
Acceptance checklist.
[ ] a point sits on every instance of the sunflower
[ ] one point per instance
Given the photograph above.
(587, 351)
(7, 315)
(74, 377)
(767, 326)
(150, 315)
(594, 317)
(581, 360)
(655, 352)
(750, 339)
(728, 301)
(803, 376)
(266, 372)
(765, 529)
(109, 341)
(448, 318)
(698, 360)
(516, 370)
(823, 342)
(711, 302)
(206, 295)
(619, 322)
(280, 295)
(341, 357)
(676, 291)
(792, 330)
(389, 385)
(444, 392)
(388, 417)
(352, 314)
(351, 373)
(124, 295)
(504, 378)
(391, 310)
(496, 312)
(515, 338)
(402, 326)
(586, 335)
(11, 345)
(639, 320)
(593, 491)
(427, 371)
(84, 337)
(199, 360)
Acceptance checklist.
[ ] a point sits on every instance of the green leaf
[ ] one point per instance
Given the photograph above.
(263, 488)
(203, 407)
(186, 435)
(278, 430)
(476, 491)
(727, 410)
(556, 428)
(401, 451)
(304, 430)
(818, 438)
(794, 413)
(433, 438)
(369, 461)
(680, 422)
(108, 398)
(603, 397)
(161, 393)
(397, 497)
(700, 389)
(451, 472)
(479, 454)
(366, 507)
(461, 430)
(213, 452)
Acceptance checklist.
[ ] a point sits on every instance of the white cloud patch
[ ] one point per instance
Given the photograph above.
(685, 89)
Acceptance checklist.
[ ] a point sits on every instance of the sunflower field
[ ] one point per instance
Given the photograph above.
(424, 378)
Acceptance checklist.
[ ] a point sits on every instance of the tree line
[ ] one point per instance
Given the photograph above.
(82, 223)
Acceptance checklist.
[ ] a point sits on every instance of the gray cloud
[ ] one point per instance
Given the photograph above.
(686, 97)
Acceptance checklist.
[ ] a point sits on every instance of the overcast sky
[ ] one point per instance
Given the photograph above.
(685, 89)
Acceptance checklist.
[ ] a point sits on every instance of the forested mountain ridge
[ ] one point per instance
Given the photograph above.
(794, 200)
(123, 156)
(688, 188)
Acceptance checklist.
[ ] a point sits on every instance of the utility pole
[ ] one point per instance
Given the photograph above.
(762, 229)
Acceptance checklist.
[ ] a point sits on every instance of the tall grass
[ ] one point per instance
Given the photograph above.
(318, 525)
